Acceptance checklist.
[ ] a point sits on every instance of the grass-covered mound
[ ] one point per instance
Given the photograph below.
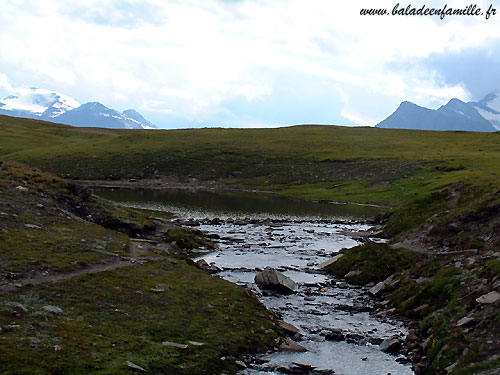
(371, 262)
(364, 165)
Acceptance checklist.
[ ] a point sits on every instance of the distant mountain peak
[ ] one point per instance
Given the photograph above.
(483, 116)
(489, 108)
(36, 101)
(52, 106)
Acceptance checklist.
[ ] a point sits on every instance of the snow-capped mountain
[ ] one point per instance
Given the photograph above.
(489, 108)
(38, 103)
(482, 116)
(52, 106)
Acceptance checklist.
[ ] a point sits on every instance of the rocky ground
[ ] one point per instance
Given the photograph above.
(445, 276)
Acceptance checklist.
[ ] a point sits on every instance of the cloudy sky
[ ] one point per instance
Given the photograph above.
(248, 63)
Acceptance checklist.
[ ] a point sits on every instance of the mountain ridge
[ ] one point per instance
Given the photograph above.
(482, 116)
(52, 106)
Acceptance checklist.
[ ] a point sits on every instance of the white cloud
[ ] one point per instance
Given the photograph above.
(192, 57)
(4, 83)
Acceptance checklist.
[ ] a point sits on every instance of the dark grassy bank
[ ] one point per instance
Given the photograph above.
(79, 294)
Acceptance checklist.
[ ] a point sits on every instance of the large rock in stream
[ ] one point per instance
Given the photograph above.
(275, 280)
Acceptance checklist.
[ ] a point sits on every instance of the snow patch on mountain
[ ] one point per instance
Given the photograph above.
(491, 116)
(37, 101)
(53, 106)
(493, 101)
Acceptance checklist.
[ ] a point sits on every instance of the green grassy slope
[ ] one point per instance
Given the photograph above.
(60, 314)
(366, 165)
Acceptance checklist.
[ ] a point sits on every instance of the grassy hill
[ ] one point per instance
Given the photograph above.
(365, 165)
(443, 185)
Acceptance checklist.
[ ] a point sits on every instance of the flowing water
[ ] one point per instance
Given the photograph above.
(257, 231)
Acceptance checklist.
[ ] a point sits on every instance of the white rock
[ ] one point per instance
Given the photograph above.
(489, 298)
(326, 263)
(132, 365)
(174, 345)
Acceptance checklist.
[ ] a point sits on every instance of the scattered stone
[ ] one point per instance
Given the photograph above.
(174, 345)
(35, 340)
(159, 288)
(421, 280)
(53, 309)
(250, 294)
(291, 346)
(421, 307)
(196, 343)
(489, 298)
(309, 298)
(326, 263)
(133, 366)
(57, 348)
(390, 345)
(450, 367)
(355, 338)
(287, 327)
(335, 334)
(32, 226)
(353, 273)
(47, 325)
(275, 280)
(240, 364)
(21, 188)
(464, 321)
(210, 268)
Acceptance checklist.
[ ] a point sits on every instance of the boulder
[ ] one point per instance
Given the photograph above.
(288, 328)
(390, 345)
(291, 346)
(377, 289)
(274, 280)
(465, 321)
(335, 334)
(381, 287)
(210, 268)
(489, 298)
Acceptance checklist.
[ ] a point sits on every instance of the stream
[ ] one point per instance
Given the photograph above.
(256, 231)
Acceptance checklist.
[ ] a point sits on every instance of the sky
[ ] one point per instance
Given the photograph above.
(248, 63)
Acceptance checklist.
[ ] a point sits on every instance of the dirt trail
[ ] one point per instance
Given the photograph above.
(136, 250)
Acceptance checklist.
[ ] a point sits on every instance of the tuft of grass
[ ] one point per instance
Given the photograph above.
(375, 261)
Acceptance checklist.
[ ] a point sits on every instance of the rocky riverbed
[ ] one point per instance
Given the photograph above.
(343, 330)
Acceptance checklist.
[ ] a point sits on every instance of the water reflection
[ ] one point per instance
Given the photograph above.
(199, 204)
